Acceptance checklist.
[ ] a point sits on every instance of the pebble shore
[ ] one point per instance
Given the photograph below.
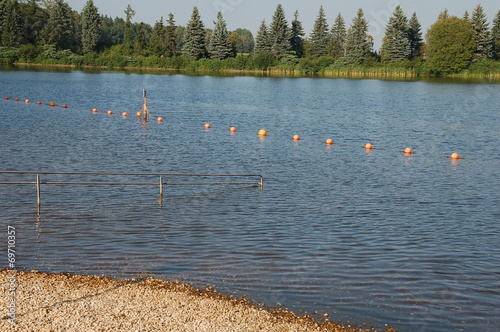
(66, 302)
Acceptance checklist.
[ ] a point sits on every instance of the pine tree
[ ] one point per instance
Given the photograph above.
(10, 23)
(220, 46)
(495, 36)
(262, 40)
(157, 43)
(194, 37)
(140, 44)
(466, 15)
(297, 40)
(280, 34)
(396, 45)
(415, 36)
(127, 37)
(34, 18)
(58, 30)
(357, 45)
(319, 35)
(482, 34)
(338, 36)
(91, 27)
(170, 36)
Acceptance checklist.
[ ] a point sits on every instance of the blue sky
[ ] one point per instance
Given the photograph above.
(249, 13)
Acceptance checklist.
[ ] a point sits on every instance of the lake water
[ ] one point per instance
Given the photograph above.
(409, 241)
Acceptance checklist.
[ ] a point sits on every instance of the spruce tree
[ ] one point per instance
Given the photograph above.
(357, 44)
(319, 35)
(396, 46)
(338, 37)
(415, 36)
(495, 36)
(140, 44)
(170, 36)
(127, 36)
(194, 37)
(10, 23)
(297, 40)
(262, 40)
(157, 43)
(280, 34)
(58, 30)
(482, 34)
(220, 46)
(91, 27)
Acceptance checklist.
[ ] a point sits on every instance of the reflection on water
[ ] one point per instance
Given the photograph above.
(411, 241)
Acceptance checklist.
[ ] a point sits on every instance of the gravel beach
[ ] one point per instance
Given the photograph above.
(39, 301)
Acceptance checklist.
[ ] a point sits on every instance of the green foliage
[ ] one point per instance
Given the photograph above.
(59, 27)
(127, 36)
(194, 37)
(8, 54)
(265, 59)
(220, 47)
(263, 39)
(338, 37)
(297, 39)
(357, 44)
(91, 27)
(10, 23)
(28, 52)
(415, 37)
(482, 34)
(170, 36)
(280, 34)
(396, 46)
(157, 43)
(495, 36)
(319, 36)
(451, 45)
(244, 41)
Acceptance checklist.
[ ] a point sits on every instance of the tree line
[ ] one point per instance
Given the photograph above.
(50, 31)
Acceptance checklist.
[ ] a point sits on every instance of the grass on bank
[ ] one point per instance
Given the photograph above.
(262, 63)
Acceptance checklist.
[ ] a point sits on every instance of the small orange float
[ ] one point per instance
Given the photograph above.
(110, 112)
(39, 103)
(262, 133)
(138, 114)
(408, 151)
(160, 119)
(232, 129)
(6, 98)
(94, 110)
(65, 106)
(329, 141)
(296, 138)
(455, 156)
(52, 104)
(27, 101)
(124, 114)
(207, 126)
(369, 146)
(16, 99)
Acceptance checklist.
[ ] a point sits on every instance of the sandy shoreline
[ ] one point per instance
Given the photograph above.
(65, 302)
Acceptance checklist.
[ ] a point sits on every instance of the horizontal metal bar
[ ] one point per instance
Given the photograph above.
(130, 174)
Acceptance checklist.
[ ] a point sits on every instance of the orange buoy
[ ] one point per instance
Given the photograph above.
(138, 114)
(65, 106)
(94, 110)
(296, 137)
(329, 141)
(27, 101)
(16, 99)
(408, 151)
(455, 156)
(110, 112)
(124, 114)
(52, 104)
(262, 132)
(232, 129)
(6, 98)
(207, 126)
(160, 119)
(39, 103)
(369, 146)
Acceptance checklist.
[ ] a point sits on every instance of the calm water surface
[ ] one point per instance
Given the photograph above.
(412, 242)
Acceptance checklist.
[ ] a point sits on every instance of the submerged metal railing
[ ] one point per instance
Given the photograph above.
(38, 182)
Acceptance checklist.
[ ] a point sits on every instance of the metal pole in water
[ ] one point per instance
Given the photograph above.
(161, 186)
(145, 110)
(38, 196)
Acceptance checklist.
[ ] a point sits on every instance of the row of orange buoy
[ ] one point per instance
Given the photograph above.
(261, 133)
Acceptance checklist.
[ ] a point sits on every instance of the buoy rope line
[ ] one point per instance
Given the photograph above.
(261, 133)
